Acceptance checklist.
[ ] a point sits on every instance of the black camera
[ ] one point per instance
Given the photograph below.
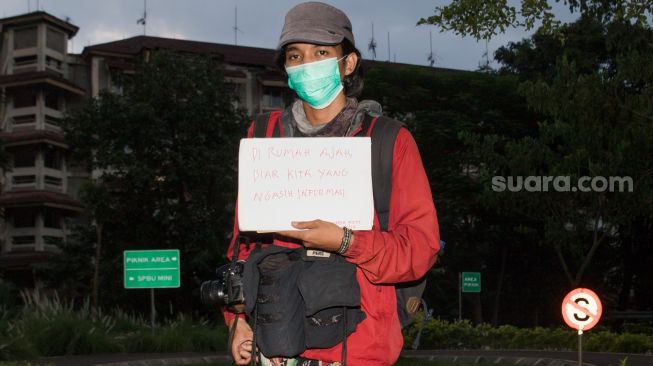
(227, 289)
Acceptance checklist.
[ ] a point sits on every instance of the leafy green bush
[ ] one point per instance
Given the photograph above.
(633, 343)
(51, 327)
(56, 328)
(439, 334)
(7, 294)
(13, 343)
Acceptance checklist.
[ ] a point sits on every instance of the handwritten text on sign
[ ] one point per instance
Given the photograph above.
(297, 179)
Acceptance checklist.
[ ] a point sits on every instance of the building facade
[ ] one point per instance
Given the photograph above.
(39, 80)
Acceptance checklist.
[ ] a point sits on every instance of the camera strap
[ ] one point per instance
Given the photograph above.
(254, 348)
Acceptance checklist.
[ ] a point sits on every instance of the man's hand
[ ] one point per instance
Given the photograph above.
(317, 234)
(241, 346)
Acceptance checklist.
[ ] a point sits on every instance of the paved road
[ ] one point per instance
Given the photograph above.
(143, 359)
(523, 358)
(589, 358)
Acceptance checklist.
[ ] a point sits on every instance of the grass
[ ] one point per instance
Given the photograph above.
(46, 327)
(52, 327)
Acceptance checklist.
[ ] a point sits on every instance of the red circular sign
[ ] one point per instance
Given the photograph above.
(581, 309)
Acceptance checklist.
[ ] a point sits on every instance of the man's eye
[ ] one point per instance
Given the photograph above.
(323, 52)
(293, 57)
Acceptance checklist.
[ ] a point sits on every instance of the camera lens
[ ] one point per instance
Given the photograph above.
(212, 293)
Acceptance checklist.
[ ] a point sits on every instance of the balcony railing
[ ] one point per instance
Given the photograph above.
(22, 182)
(30, 178)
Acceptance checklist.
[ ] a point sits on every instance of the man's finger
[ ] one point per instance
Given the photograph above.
(293, 234)
(244, 355)
(305, 224)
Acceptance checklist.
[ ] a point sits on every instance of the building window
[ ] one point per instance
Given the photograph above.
(52, 100)
(24, 158)
(24, 64)
(25, 38)
(52, 182)
(54, 64)
(24, 119)
(23, 180)
(52, 240)
(24, 217)
(51, 120)
(52, 218)
(23, 240)
(24, 98)
(55, 40)
(272, 97)
(52, 158)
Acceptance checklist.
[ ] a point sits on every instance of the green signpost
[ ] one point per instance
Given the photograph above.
(471, 282)
(467, 282)
(151, 268)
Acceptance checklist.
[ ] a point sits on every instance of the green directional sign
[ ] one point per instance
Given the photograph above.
(471, 282)
(151, 268)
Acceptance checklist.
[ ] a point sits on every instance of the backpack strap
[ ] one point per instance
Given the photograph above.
(383, 131)
(268, 124)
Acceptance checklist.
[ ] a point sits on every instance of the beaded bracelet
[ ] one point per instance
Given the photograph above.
(346, 240)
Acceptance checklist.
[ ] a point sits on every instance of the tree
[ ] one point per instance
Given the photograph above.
(97, 201)
(438, 105)
(592, 82)
(485, 19)
(166, 150)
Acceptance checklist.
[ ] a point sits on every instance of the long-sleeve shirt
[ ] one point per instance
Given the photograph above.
(405, 252)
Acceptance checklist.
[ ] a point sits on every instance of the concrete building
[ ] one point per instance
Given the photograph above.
(35, 89)
(39, 81)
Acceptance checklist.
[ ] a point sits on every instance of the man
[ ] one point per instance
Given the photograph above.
(317, 51)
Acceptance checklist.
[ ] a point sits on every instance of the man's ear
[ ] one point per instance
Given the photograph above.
(350, 63)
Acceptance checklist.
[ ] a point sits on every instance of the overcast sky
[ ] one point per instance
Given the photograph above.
(261, 22)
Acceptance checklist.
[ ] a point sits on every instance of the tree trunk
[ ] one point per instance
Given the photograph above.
(96, 272)
(497, 296)
(477, 308)
(627, 260)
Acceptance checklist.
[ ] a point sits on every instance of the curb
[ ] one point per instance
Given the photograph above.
(170, 361)
(518, 361)
(502, 360)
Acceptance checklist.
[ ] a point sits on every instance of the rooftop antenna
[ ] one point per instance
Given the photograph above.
(29, 6)
(431, 58)
(388, 46)
(236, 29)
(372, 45)
(143, 20)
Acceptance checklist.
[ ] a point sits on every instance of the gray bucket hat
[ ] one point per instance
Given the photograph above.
(317, 23)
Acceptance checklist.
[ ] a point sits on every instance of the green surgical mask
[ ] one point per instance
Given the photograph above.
(317, 83)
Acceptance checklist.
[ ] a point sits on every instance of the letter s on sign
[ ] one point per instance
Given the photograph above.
(498, 183)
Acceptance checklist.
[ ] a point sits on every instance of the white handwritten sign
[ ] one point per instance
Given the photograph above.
(299, 179)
